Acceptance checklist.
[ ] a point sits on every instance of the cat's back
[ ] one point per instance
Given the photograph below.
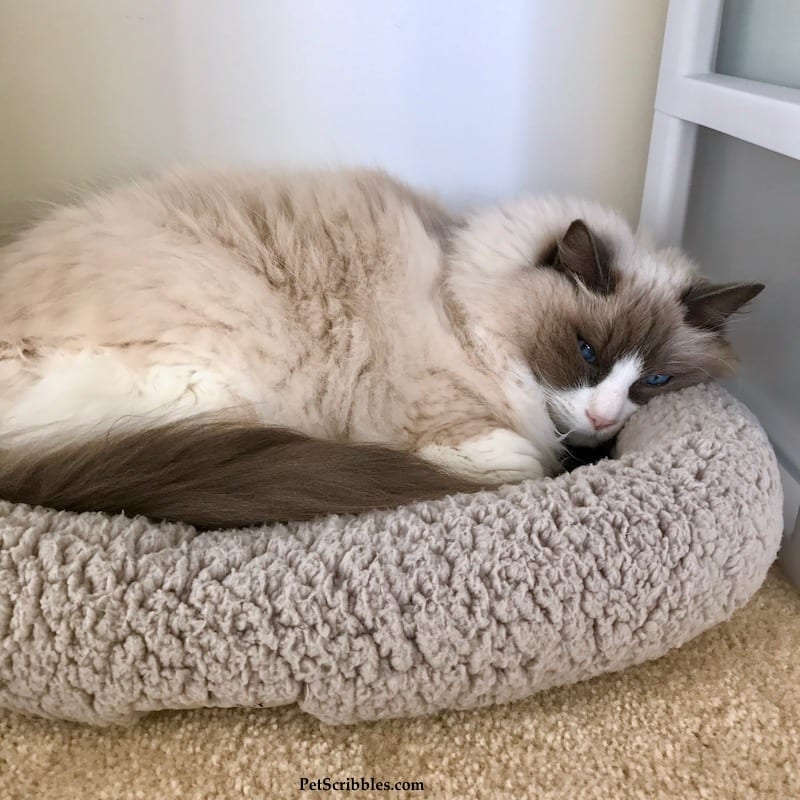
(196, 239)
(212, 290)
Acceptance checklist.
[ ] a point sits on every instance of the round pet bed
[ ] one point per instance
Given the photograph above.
(462, 602)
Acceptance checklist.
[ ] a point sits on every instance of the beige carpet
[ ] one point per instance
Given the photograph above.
(719, 718)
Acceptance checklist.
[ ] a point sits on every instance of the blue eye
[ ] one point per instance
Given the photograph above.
(587, 351)
(656, 380)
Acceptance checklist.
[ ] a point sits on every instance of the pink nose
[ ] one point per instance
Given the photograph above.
(600, 423)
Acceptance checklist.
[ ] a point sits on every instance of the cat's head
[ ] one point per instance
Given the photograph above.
(603, 321)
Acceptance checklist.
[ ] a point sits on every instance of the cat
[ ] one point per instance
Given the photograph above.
(234, 348)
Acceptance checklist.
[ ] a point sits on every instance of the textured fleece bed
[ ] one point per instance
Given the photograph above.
(463, 602)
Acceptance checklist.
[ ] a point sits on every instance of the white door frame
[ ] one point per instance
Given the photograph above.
(690, 94)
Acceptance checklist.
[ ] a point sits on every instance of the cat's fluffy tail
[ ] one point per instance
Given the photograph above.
(214, 474)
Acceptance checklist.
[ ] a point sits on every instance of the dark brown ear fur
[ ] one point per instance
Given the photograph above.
(581, 255)
(709, 305)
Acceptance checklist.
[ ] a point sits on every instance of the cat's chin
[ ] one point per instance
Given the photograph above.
(581, 439)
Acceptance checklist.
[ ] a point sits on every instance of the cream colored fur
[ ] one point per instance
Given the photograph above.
(337, 304)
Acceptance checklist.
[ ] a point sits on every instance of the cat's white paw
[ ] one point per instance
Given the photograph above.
(501, 456)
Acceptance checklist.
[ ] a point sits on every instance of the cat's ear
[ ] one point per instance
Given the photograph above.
(580, 254)
(708, 305)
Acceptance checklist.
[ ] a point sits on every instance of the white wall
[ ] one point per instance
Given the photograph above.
(475, 100)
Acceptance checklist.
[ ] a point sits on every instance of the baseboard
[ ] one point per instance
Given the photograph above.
(790, 549)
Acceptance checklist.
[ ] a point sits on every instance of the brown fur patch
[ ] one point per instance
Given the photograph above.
(452, 413)
(437, 222)
(634, 320)
(580, 254)
(22, 349)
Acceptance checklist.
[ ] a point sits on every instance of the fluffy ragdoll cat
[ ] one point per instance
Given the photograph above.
(346, 343)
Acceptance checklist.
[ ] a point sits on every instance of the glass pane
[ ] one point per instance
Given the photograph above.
(760, 40)
(743, 224)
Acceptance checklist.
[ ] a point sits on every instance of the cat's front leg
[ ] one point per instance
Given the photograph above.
(498, 457)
